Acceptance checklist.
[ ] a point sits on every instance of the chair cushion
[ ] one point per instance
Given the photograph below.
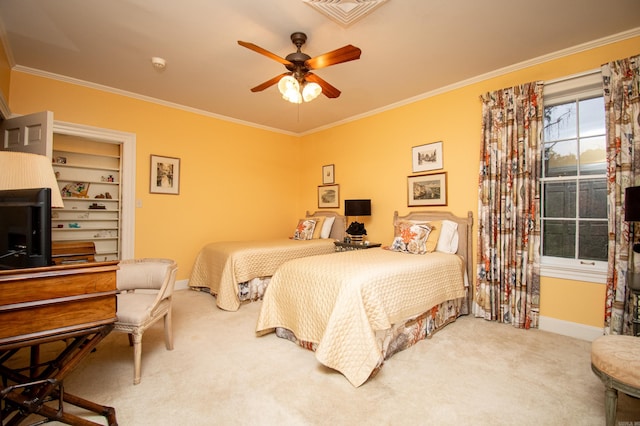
(618, 357)
(134, 308)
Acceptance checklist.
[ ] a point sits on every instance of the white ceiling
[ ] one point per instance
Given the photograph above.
(409, 48)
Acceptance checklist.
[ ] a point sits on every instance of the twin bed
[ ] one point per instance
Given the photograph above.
(239, 271)
(356, 309)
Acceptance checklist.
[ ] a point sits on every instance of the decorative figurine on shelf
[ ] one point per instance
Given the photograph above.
(74, 225)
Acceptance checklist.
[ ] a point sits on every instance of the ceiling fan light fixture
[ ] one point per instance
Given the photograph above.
(288, 83)
(292, 96)
(311, 91)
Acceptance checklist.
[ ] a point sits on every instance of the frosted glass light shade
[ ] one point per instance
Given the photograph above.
(21, 170)
(288, 83)
(311, 91)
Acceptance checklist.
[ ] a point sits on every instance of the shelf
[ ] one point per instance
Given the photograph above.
(83, 219)
(86, 167)
(84, 211)
(92, 239)
(91, 154)
(68, 229)
(97, 200)
(97, 182)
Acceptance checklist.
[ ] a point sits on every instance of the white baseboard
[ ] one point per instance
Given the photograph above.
(571, 329)
(181, 285)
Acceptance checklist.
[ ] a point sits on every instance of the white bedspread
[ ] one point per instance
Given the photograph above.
(338, 301)
(220, 266)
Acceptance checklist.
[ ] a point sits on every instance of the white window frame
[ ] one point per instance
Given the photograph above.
(578, 86)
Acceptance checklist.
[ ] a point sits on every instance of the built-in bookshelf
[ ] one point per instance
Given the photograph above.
(88, 174)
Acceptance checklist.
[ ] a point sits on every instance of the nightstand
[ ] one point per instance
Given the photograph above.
(340, 246)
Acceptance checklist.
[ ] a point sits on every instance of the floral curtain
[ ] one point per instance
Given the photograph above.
(621, 86)
(508, 281)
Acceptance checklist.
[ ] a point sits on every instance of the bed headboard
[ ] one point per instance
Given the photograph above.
(465, 237)
(339, 224)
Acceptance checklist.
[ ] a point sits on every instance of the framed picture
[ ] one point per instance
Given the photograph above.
(328, 174)
(329, 196)
(427, 190)
(427, 157)
(165, 175)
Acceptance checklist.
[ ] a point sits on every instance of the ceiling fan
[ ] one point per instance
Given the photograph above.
(299, 83)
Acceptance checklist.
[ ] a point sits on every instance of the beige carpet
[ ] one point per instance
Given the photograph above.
(473, 372)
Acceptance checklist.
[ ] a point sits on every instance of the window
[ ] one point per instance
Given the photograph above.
(573, 182)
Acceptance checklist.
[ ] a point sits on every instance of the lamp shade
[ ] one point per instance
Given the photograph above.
(357, 207)
(632, 204)
(21, 170)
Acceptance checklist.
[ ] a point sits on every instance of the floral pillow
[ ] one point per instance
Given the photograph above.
(415, 237)
(304, 230)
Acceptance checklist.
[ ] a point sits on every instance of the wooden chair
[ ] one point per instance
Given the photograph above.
(146, 289)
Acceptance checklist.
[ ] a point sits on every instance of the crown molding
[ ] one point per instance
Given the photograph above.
(496, 73)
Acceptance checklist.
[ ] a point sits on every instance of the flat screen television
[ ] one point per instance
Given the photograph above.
(25, 228)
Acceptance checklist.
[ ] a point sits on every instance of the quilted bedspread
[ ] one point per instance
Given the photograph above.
(340, 300)
(220, 266)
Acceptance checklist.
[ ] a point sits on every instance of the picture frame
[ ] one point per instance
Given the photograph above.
(427, 190)
(165, 175)
(328, 196)
(427, 157)
(328, 174)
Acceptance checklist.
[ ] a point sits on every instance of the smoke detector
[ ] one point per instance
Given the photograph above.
(158, 63)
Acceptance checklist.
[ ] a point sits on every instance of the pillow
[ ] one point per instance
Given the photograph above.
(326, 227)
(448, 240)
(416, 237)
(318, 227)
(304, 230)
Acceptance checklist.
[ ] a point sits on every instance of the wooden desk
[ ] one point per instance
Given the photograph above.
(75, 303)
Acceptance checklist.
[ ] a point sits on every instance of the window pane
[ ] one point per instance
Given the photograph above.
(593, 156)
(560, 199)
(593, 198)
(593, 239)
(560, 122)
(559, 238)
(561, 159)
(591, 121)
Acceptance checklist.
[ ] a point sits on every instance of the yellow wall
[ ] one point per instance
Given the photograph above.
(372, 158)
(236, 182)
(239, 182)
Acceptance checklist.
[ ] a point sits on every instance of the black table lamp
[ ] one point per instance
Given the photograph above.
(632, 208)
(357, 208)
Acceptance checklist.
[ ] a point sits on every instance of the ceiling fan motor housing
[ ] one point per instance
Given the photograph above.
(298, 58)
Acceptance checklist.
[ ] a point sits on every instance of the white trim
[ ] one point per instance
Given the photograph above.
(496, 73)
(571, 269)
(181, 285)
(5, 112)
(577, 86)
(120, 92)
(571, 329)
(128, 178)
